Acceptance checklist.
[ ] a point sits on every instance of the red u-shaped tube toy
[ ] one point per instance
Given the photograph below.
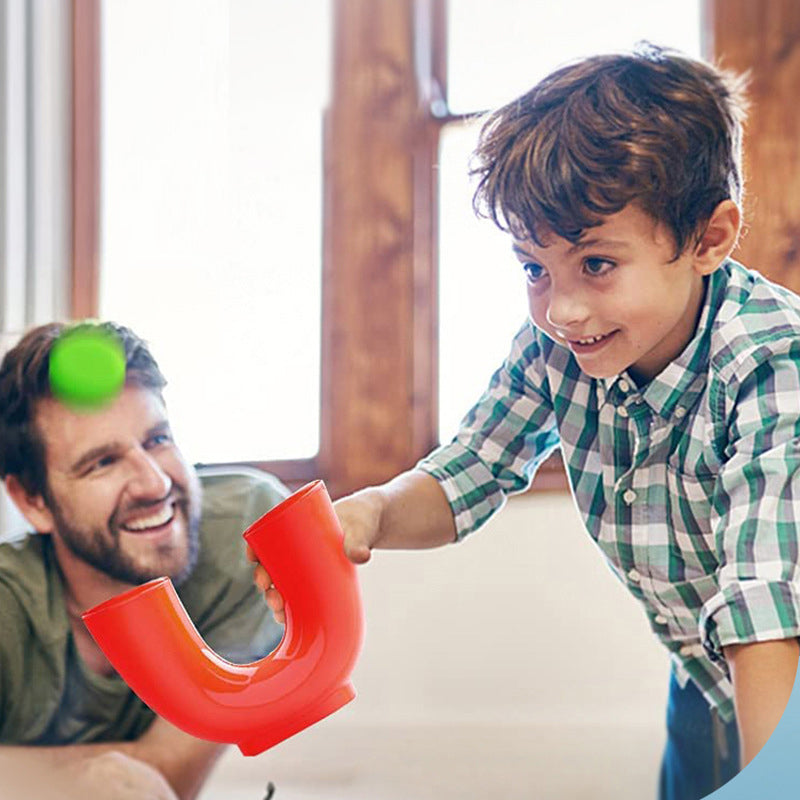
(148, 637)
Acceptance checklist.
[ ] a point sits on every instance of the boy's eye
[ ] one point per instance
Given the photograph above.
(598, 266)
(533, 271)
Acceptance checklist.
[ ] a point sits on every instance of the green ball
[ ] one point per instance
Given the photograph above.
(87, 367)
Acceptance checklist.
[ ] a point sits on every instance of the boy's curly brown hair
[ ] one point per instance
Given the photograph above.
(654, 128)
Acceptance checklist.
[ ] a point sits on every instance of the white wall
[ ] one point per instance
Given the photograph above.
(513, 665)
(35, 145)
(523, 618)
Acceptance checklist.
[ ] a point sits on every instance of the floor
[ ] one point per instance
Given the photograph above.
(577, 763)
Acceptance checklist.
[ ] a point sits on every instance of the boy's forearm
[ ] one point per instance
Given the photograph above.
(416, 514)
(763, 676)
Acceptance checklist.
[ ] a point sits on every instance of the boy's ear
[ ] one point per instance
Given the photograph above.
(719, 237)
(34, 509)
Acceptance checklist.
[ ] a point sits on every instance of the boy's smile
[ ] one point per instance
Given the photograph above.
(616, 299)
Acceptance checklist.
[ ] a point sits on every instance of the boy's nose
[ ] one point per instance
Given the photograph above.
(565, 311)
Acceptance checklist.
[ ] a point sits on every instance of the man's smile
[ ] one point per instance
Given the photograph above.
(152, 522)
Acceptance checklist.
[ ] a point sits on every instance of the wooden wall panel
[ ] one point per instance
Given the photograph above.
(371, 423)
(764, 39)
(84, 275)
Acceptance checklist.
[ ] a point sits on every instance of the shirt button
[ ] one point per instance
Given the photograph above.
(628, 496)
(660, 620)
(623, 412)
(680, 412)
(624, 385)
(634, 575)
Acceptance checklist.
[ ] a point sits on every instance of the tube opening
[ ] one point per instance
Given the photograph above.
(271, 515)
(125, 597)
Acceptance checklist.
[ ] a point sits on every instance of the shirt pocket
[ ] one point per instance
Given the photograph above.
(688, 517)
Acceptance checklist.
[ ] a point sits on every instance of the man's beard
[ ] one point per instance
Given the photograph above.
(101, 548)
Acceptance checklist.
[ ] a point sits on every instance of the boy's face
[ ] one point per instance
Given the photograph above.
(616, 299)
(121, 496)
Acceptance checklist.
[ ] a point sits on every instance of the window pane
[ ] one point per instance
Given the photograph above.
(482, 299)
(211, 212)
(492, 59)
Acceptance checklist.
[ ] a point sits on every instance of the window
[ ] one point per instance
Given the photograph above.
(211, 212)
(383, 325)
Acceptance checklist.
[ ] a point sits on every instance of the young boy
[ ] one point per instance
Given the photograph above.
(668, 374)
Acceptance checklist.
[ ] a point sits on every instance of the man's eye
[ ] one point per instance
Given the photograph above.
(598, 266)
(159, 438)
(533, 271)
(105, 461)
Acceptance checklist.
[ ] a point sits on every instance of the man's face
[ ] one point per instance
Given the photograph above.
(616, 299)
(121, 496)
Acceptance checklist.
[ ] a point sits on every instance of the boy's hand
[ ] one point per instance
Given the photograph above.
(262, 579)
(359, 515)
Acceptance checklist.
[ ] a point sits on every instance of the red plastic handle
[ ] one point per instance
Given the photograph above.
(148, 637)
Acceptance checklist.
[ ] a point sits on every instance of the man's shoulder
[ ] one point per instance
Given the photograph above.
(238, 493)
(30, 593)
(15, 586)
(23, 567)
(233, 498)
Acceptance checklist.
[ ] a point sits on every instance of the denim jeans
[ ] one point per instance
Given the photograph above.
(702, 752)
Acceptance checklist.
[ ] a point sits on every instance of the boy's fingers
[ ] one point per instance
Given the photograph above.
(274, 599)
(276, 605)
(251, 554)
(357, 552)
(280, 617)
(261, 578)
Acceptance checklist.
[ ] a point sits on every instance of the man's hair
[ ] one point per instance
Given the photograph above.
(25, 380)
(653, 128)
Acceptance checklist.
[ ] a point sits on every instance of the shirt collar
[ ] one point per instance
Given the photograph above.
(677, 388)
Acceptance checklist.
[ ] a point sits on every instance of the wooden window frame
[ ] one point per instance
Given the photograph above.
(379, 381)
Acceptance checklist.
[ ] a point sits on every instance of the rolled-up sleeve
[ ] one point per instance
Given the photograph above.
(756, 518)
(502, 441)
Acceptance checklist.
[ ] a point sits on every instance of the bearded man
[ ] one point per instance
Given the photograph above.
(112, 504)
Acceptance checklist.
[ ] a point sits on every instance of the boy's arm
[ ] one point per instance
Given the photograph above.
(410, 512)
(116, 770)
(763, 675)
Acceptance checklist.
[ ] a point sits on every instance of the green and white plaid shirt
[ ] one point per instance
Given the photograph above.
(689, 485)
